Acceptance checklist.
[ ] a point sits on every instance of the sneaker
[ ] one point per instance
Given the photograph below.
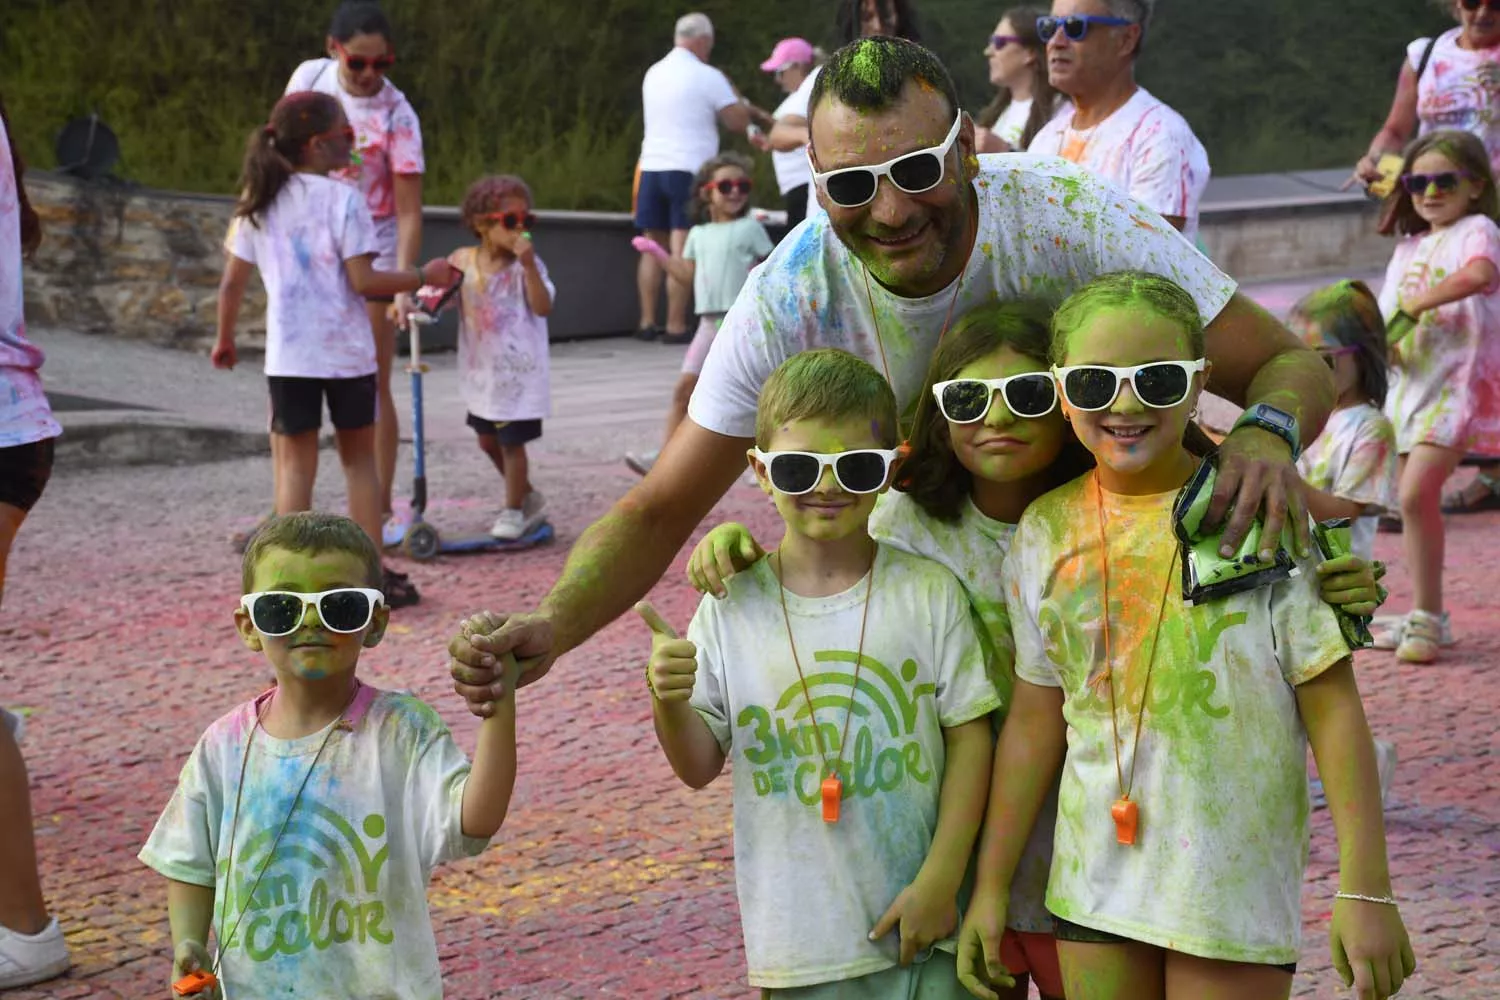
(393, 531)
(1421, 637)
(510, 525)
(398, 589)
(1316, 797)
(1385, 766)
(533, 506)
(677, 339)
(641, 462)
(648, 333)
(1389, 636)
(32, 958)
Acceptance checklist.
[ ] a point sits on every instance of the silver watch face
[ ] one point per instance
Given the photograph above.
(1274, 416)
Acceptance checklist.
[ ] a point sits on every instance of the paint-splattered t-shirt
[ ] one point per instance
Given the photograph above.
(503, 361)
(1460, 89)
(810, 891)
(1220, 773)
(973, 549)
(1045, 229)
(1445, 374)
(25, 416)
(341, 908)
(1145, 148)
(316, 323)
(1355, 459)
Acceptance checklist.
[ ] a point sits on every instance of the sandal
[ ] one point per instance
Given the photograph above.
(399, 591)
(1459, 502)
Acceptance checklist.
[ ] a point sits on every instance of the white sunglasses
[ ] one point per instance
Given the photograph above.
(1160, 385)
(280, 612)
(916, 172)
(968, 400)
(797, 472)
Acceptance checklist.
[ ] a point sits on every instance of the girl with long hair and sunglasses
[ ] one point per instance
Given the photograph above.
(387, 170)
(503, 342)
(1180, 730)
(313, 241)
(1441, 303)
(721, 249)
(1025, 99)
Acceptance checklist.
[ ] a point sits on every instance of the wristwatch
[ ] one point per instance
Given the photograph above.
(1278, 422)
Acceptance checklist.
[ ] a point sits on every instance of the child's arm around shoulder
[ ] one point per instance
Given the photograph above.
(692, 748)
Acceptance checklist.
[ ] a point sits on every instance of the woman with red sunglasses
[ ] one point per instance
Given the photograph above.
(387, 168)
(1448, 82)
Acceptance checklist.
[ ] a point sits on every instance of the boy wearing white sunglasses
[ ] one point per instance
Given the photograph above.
(847, 681)
(306, 823)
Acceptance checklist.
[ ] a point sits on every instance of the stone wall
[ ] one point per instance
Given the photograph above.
(132, 262)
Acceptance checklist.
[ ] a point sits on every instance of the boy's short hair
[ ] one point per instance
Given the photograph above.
(485, 195)
(311, 533)
(826, 384)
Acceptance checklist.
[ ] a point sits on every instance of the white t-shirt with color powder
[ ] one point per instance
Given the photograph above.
(341, 907)
(792, 168)
(1045, 229)
(1220, 774)
(25, 415)
(973, 549)
(1144, 148)
(316, 324)
(1460, 89)
(503, 348)
(1355, 459)
(810, 891)
(682, 96)
(723, 254)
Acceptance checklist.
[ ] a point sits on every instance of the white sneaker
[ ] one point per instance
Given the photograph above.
(509, 526)
(1389, 637)
(1385, 766)
(533, 506)
(641, 462)
(1421, 637)
(32, 958)
(393, 531)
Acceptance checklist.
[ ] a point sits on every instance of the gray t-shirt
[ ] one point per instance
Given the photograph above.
(724, 254)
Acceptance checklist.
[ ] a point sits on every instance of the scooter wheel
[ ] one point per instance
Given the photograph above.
(421, 541)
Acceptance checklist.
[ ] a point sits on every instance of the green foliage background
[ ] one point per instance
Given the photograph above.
(550, 89)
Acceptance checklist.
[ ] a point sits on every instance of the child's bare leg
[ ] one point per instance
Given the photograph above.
(648, 278)
(387, 426)
(1193, 978)
(490, 445)
(22, 908)
(11, 517)
(357, 453)
(681, 393)
(1128, 970)
(297, 468)
(516, 471)
(1423, 473)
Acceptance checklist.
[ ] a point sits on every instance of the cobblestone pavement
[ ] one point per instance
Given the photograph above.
(609, 878)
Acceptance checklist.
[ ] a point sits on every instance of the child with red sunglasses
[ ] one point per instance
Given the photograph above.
(503, 341)
(721, 250)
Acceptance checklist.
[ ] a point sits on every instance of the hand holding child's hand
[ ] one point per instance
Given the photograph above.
(1350, 583)
(646, 244)
(223, 354)
(923, 913)
(674, 662)
(979, 966)
(189, 957)
(726, 550)
(1371, 950)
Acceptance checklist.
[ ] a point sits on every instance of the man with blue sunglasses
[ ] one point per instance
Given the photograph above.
(1117, 130)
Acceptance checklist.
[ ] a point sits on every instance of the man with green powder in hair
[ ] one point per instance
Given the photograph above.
(918, 230)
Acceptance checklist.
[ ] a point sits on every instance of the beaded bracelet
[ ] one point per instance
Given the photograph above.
(1384, 900)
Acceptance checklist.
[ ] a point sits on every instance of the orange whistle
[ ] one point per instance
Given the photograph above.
(1127, 817)
(833, 794)
(194, 983)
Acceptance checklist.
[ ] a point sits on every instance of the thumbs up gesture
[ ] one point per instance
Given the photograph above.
(673, 666)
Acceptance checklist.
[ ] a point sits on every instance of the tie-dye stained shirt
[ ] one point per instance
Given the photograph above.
(1145, 148)
(973, 549)
(341, 905)
(1045, 229)
(316, 324)
(1460, 89)
(810, 891)
(25, 416)
(387, 135)
(1445, 374)
(1220, 773)
(1355, 459)
(503, 362)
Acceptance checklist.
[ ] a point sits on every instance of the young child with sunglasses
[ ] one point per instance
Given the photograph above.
(1441, 302)
(720, 252)
(846, 679)
(314, 244)
(306, 822)
(1205, 794)
(503, 342)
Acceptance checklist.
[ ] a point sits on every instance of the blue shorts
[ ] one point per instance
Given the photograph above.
(662, 201)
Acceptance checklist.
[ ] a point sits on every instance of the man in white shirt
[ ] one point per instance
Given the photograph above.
(877, 276)
(685, 101)
(1117, 130)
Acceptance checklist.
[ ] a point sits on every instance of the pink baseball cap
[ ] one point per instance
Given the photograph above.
(787, 52)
